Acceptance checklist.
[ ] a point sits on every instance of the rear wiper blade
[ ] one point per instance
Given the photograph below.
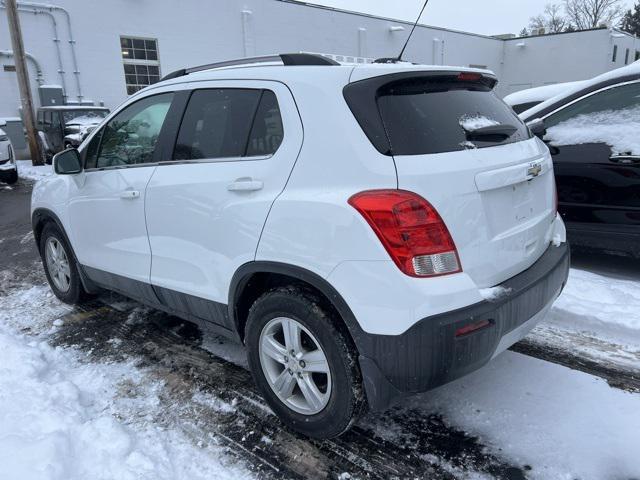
(502, 130)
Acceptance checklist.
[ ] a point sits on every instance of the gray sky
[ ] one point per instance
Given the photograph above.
(489, 17)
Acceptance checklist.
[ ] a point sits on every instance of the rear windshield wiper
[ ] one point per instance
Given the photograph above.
(498, 132)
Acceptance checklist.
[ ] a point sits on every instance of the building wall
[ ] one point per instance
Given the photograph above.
(204, 31)
(192, 32)
(548, 59)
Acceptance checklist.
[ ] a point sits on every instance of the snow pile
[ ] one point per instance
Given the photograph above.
(472, 123)
(62, 420)
(606, 307)
(494, 294)
(28, 171)
(618, 129)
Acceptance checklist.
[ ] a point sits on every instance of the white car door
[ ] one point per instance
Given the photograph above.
(107, 204)
(207, 205)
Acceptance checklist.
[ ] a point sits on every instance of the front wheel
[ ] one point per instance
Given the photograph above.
(60, 266)
(304, 365)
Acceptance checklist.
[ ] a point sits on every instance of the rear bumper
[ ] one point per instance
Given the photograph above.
(429, 354)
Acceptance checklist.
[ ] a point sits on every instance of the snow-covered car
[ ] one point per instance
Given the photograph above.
(8, 167)
(67, 126)
(593, 131)
(367, 231)
(529, 98)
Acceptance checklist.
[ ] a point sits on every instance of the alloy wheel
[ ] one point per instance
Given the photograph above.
(58, 264)
(295, 366)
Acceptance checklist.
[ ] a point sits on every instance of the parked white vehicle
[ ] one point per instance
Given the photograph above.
(367, 231)
(529, 98)
(8, 167)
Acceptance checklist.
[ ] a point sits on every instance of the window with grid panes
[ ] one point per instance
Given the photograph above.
(141, 63)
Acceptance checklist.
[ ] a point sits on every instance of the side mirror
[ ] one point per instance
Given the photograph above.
(67, 162)
(538, 128)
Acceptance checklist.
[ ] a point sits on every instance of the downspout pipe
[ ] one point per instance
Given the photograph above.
(72, 42)
(56, 41)
(45, 7)
(39, 73)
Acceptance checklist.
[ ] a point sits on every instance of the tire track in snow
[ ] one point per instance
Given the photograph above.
(616, 376)
(397, 444)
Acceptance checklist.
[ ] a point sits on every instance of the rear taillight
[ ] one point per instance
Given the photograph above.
(411, 230)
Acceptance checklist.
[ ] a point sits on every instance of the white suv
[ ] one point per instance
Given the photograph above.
(367, 231)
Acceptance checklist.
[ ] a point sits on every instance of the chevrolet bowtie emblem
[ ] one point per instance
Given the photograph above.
(534, 170)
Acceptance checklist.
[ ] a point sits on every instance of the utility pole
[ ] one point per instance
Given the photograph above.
(23, 82)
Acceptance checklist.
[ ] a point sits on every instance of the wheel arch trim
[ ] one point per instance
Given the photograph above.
(38, 218)
(244, 273)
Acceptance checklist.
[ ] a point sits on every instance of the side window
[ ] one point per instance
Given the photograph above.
(40, 118)
(609, 103)
(91, 151)
(216, 124)
(267, 132)
(131, 136)
(55, 120)
(47, 118)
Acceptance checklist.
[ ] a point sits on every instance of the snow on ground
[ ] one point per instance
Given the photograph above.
(618, 129)
(27, 171)
(566, 424)
(601, 306)
(65, 419)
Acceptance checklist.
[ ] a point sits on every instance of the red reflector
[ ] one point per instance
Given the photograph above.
(469, 77)
(409, 228)
(472, 327)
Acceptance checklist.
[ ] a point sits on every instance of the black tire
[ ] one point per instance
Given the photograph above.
(76, 293)
(347, 399)
(10, 177)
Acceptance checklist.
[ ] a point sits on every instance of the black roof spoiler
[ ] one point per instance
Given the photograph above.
(288, 59)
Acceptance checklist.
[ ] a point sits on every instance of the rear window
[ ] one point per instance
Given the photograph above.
(434, 114)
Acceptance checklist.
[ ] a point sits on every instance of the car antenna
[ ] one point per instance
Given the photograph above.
(399, 59)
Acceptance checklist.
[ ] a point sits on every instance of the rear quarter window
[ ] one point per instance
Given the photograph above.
(432, 114)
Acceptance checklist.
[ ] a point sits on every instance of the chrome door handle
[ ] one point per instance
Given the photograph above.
(625, 159)
(130, 194)
(245, 185)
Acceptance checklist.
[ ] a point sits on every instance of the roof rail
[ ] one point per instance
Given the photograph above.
(288, 59)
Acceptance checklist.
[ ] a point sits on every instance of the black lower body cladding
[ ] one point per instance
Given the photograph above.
(429, 354)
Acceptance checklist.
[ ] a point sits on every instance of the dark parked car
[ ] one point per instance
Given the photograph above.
(593, 132)
(67, 126)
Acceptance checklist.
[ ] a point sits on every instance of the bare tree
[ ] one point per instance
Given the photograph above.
(556, 21)
(584, 14)
(551, 21)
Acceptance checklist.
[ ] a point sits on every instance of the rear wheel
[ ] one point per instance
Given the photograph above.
(60, 266)
(304, 365)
